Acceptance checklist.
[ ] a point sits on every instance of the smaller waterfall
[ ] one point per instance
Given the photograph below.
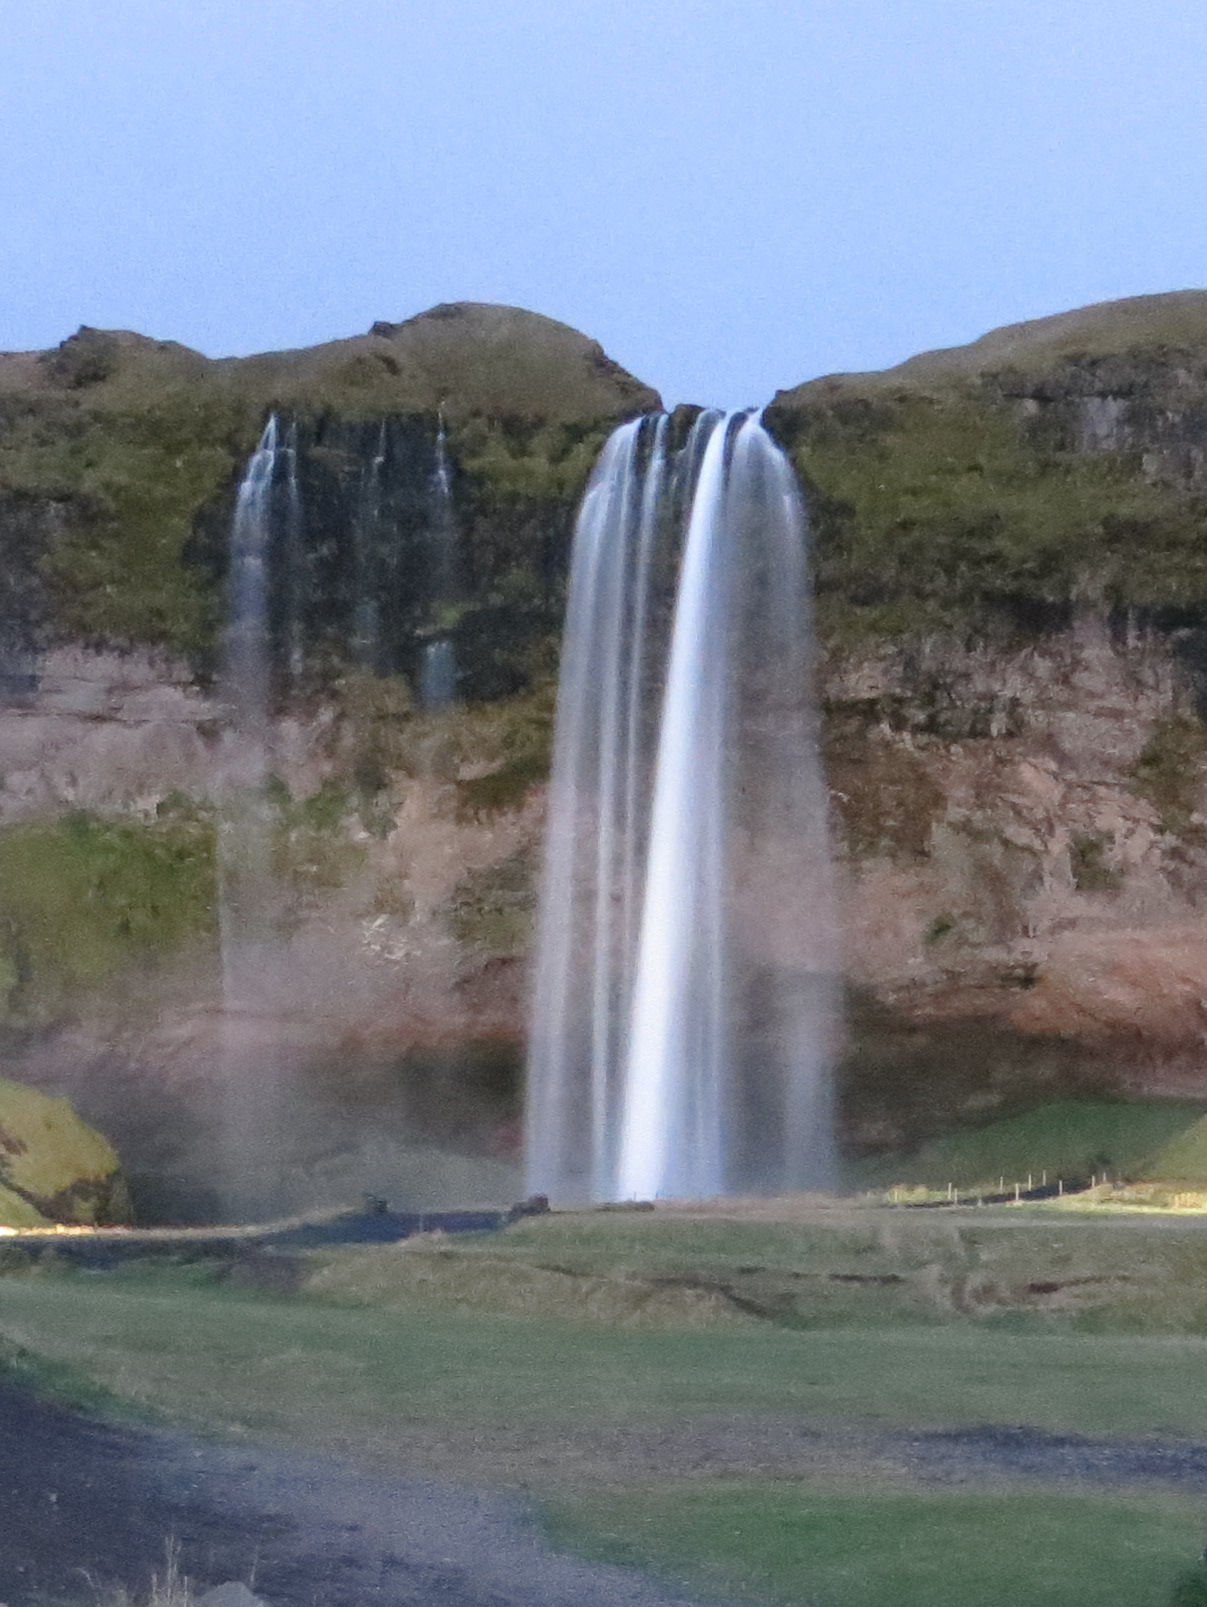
(245, 647)
(685, 995)
(366, 617)
(438, 675)
(438, 665)
(243, 841)
(295, 563)
(248, 906)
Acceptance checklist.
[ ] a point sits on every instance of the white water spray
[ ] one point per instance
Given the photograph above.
(684, 1001)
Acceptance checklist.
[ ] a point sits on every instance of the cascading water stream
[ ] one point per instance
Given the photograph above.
(242, 842)
(366, 581)
(684, 1001)
(295, 562)
(248, 906)
(438, 663)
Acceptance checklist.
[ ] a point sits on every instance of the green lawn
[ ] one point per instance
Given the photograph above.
(325, 1374)
(1072, 1139)
(799, 1544)
(413, 1358)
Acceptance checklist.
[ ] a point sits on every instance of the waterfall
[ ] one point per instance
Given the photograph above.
(438, 665)
(295, 563)
(438, 675)
(684, 1000)
(243, 837)
(248, 902)
(366, 580)
(246, 656)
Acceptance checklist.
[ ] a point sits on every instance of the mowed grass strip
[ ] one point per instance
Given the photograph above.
(800, 1544)
(332, 1376)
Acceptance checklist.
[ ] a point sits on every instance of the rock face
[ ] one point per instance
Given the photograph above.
(54, 1168)
(1012, 594)
(1012, 601)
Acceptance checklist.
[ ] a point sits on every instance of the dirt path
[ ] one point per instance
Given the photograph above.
(86, 1503)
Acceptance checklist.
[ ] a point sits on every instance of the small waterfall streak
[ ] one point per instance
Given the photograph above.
(245, 649)
(243, 833)
(295, 563)
(366, 604)
(247, 909)
(438, 666)
(684, 1000)
(437, 675)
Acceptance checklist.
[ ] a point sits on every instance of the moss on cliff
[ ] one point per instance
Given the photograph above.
(1170, 773)
(81, 898)
(139, 445)
(989, 488)
(937, 514)
(492, 910)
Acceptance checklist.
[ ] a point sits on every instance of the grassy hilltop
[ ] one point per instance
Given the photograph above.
(990, 487)
(116, 450)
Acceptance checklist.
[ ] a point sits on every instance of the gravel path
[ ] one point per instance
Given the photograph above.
(87, 1503)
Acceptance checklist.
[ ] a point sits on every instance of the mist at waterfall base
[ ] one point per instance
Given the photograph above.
(685, 997)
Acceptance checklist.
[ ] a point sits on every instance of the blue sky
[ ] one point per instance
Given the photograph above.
(731, 195)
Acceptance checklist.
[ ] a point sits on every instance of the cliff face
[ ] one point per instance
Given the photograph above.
(1012, 601)
(1012, 593)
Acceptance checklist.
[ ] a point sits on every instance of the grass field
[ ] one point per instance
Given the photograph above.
(797, 1544)
(1073, 1139)
(576, 1355)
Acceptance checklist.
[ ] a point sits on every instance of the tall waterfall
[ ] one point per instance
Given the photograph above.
(685, 997)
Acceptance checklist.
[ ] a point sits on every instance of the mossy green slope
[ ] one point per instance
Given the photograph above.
(1176, 319)
(1184, 1158)
(53, 1166)
(81, 898)
(1069, 1139)
(114, 447)
(995, 485)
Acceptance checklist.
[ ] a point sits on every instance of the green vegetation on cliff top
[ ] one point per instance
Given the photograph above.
(124, 443)
(1046, 465)
(1175, 320)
